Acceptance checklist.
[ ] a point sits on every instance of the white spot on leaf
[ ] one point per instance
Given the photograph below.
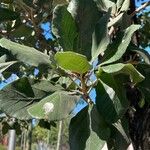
(48, 107)
(123, 41)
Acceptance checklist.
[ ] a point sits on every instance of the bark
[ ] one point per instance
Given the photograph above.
(139, 120)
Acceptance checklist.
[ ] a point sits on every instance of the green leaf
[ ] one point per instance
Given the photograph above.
(7, 15)
(107, 102)
(125, 5)
(125, 69)
(119, 130)
(88, 130)
(46, 86)
(116, 82)
(54, 107)
(86, 16)
(6, 65)
(116, 50)
(22, 31)
(64, 27)
(79, 127)
(17, 97)
(3, 58)
(115, 20)
(119, 127)
(119, 4)
(99, 131)
(100, 37)
(125, 21)
(73, 62)
(104, 5)
(25, 54)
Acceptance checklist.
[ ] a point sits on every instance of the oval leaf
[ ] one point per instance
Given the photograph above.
(86, 15)
(126, 69)
(25, 54)
(54, 107)
(100, 39)
(88, 130)
(64, 27)
(73, 62)
(8, 15)
(17, 97)
(118, 48)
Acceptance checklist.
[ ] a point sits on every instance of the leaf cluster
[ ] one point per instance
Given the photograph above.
(91, 38)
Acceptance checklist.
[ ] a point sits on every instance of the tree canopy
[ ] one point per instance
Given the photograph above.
(95, 45)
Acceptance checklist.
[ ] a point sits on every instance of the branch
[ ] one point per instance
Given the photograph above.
(74, 81)
(140, 8)
(112, 29)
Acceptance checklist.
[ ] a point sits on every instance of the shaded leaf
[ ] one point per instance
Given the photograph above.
(120, 128)
(116, 50)
(22, 31)
(120, 135)
(116, 82)
(91, 134)
(125, 21)
(115, 20)
(107, 102)
(85, 22)
(79, 127)
(104, 5)
(6, 65)
(54, 107)
(7, 14)
(125, 5)
(25, 54)
(45, 124)
(100, 37)
(46, 86)
(125, 69)
(64, 27)
(73, 62)
(99, 131)
(3, 58)
(119, 4)
(17, 97)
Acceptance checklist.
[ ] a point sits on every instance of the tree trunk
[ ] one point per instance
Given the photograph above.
(139, 120)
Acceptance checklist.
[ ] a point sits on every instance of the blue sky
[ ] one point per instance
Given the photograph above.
(47, 30)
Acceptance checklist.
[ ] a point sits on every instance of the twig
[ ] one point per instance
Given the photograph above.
(74, 81)
(23, 5)
(92, 85)
(85, 95)
(112, 29)
(140, 8)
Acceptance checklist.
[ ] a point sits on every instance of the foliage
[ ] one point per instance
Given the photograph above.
(4, 148)
(50, 136)
(85, 32)
(144, 32)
